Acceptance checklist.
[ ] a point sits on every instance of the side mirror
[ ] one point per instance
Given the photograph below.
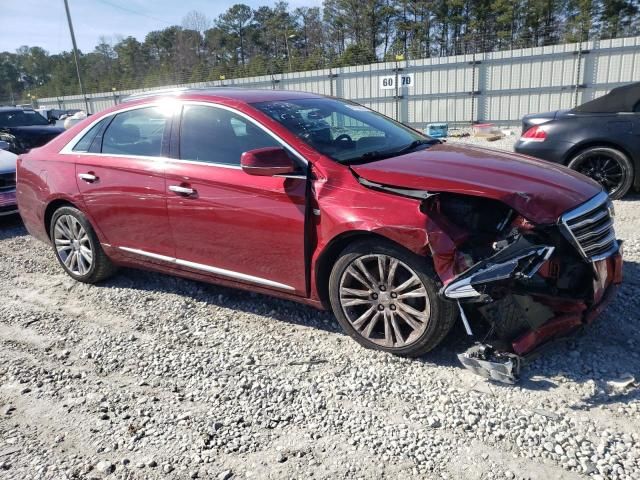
(268, 161)
(4, 145)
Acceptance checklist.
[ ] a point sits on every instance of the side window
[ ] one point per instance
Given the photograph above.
(85, 142)
(136, 132)
(215, 135)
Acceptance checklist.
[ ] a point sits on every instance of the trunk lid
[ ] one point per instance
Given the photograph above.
(534, 119)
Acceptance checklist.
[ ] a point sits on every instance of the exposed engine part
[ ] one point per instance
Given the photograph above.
(514, 314)
(465, 320)
(483, 360)
(475, 214)
(505, 221)
(507, 263)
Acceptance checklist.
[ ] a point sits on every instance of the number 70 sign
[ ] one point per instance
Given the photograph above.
(388, 82)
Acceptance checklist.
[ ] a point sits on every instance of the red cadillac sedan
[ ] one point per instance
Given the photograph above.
(324, 201)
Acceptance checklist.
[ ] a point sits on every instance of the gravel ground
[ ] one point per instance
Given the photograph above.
(505, 143)
(149, 376)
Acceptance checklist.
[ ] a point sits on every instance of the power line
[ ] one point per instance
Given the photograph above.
(135, 12)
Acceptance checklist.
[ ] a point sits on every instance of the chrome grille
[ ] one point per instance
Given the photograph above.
(590, 228)
(7, 181)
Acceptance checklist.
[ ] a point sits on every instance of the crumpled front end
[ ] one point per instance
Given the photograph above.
(519, 285)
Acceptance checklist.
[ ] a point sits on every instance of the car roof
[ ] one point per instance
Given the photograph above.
(245, 95)
(620, 99)
(13, 109)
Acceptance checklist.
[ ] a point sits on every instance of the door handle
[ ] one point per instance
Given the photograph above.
(182, 190)
(88, 177)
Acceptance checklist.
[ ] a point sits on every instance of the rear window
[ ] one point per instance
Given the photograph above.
(85, 142)
(136, 132)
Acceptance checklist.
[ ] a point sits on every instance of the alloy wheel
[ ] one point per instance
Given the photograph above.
(384, 300)
(605, 170)
(73, 245)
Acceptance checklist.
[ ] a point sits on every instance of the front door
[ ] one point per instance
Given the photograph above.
(225, 222)
(121, 179)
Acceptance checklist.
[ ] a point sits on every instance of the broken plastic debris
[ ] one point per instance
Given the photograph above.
(546, 413)
(483, 360)
(623, 382)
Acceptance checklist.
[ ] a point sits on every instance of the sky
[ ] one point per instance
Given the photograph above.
(43, 23)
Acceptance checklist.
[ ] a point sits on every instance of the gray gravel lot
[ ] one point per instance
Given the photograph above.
(149, 376)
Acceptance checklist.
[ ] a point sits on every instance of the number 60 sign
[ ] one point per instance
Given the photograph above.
(388, 82)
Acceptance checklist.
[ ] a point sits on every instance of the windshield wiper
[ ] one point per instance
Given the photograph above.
(381, 155)
(368, 157)
(415, 144)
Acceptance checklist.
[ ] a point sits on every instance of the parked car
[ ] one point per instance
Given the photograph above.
(326, 202)
(8, 203)
(599, 139)
(25, 129)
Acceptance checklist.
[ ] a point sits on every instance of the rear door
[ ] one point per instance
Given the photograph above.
(120, 175)
(234, 225)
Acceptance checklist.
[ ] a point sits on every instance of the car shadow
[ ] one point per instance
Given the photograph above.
(224, 297)
(602, 353)
(11, 226)
(259, 304)
(599, 357)
(609, 335)
(630, 197)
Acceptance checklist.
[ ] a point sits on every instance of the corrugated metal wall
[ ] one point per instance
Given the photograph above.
(498, 87)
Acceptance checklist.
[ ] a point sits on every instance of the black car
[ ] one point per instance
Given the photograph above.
(24, 129)
(600, 138)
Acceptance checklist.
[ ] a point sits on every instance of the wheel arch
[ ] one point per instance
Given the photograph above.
(580, 147)
(330, 253)
(50, 210)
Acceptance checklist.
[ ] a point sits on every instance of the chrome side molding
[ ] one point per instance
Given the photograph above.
(210, 269)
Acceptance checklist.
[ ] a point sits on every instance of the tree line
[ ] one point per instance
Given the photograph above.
(275, 39)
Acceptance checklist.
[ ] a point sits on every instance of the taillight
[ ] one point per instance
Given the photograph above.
(535, 134)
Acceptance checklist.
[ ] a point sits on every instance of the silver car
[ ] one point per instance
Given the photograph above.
(8, 204)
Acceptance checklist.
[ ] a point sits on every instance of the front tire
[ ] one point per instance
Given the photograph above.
(386, 299)
(609, 167)
(77, 247)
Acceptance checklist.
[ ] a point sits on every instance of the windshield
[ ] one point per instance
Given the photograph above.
(344, 131)
(21, 118)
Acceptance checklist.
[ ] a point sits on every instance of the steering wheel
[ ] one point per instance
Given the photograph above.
(343, 138)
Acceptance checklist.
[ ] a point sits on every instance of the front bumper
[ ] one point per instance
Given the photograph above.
(608, 275)
(8, 203)
(504, 364)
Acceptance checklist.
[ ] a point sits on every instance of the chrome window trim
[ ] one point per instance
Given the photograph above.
(68, 148)
(275, 136)
(210, 269)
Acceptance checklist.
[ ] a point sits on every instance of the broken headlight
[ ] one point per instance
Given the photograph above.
(512, 262)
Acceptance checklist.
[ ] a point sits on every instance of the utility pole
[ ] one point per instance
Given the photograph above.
(75, 56)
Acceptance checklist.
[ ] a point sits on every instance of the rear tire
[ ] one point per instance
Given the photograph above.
(77, 247)
(397, 312)
(609, 167)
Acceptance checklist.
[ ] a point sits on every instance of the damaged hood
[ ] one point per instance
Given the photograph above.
(538, 190)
